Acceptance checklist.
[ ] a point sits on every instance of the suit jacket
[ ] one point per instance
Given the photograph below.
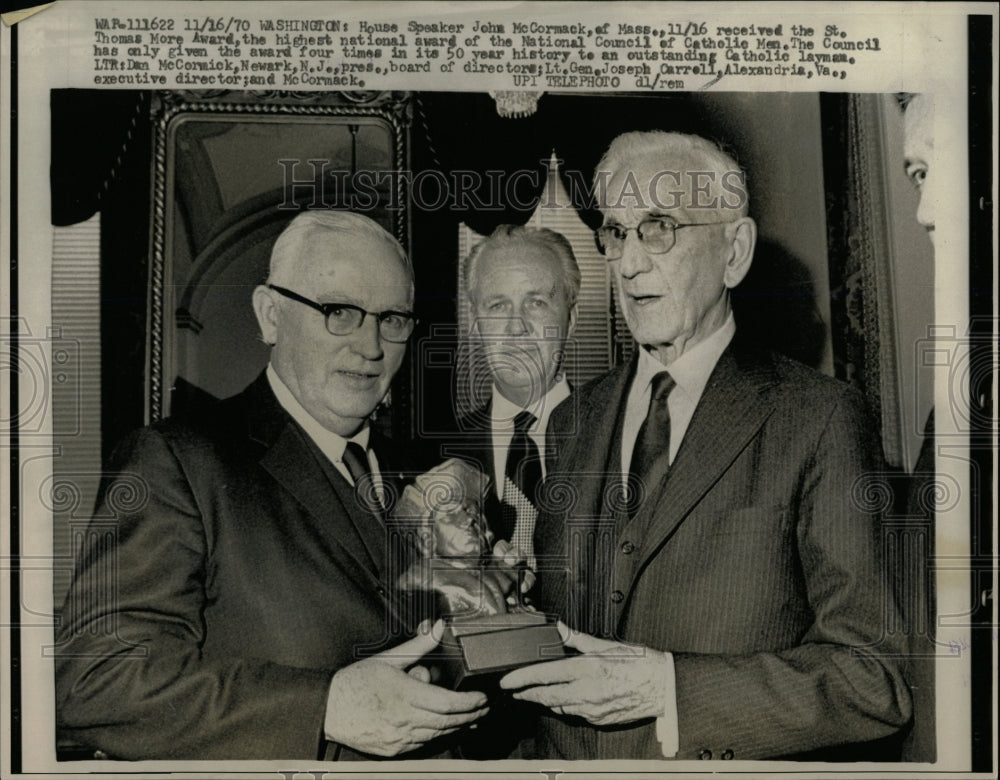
(472, 441)
(754, 561)
(212, 604)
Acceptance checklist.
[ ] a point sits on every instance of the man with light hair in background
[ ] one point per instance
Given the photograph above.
(253, 587)
(733, 607)
(522, 285)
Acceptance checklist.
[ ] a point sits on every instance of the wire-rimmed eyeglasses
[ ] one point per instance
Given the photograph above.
(343, 319)
(655, 233)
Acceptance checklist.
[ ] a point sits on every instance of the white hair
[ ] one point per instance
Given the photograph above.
(310, 226)
(676, 152)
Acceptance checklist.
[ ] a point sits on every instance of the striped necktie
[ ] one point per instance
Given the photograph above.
(651, 454)
(356, 460)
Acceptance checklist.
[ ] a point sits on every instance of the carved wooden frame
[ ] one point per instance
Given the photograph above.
(862, 305)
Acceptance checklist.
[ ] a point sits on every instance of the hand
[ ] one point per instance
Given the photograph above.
(377, 707)
(610, 683)
(513, 556)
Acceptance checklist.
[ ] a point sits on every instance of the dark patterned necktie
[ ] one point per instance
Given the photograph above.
(523, 472)
(356, 460)
(651, 454)
(524, 467)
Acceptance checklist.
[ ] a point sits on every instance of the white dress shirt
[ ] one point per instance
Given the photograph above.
(503, 412)
(691, 372)
(331, 444)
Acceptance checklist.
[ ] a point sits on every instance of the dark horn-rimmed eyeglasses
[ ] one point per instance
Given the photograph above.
(343, 319)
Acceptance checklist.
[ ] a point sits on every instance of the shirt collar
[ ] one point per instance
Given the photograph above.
(332, 444)
(503, 411)
(692, 369)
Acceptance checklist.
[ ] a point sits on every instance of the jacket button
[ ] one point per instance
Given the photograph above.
(705, 754)
(727, 755)
(381, 592)
(628, 548)
(617, 596)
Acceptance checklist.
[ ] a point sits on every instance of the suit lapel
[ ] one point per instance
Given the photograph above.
(369, 526)
(478, 444)
(325, 494)
(732, 409)
(586, 461)
(299, 467)
(474, 443)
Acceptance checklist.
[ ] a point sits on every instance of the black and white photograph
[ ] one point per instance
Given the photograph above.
(530, 390)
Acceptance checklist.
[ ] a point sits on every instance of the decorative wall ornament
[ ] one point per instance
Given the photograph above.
(514, 104)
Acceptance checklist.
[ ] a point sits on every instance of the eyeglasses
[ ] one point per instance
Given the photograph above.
(655, 233)
(343, 319)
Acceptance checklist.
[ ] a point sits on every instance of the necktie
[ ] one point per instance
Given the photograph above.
(524, 467)
(651, 454)
(523, 472)
(356, 460)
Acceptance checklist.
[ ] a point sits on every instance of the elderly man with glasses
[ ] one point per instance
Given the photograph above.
(715, 560)
(238, 608)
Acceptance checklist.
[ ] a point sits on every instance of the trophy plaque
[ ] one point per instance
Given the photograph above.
(477, 651)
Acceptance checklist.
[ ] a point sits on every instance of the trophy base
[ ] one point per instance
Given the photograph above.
(475, 652)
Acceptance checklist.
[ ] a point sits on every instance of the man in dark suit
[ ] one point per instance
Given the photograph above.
(712, 556)
(238, 606)
(522, 284)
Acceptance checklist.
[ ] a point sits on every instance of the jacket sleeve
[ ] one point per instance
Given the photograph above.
(841, 683)
(131, 677)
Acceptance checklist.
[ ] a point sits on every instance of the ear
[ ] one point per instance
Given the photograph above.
(742, 235)
(266, 310)
(573, 314)
(474, 331)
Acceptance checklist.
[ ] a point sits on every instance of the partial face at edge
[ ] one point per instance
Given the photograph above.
(918, 150)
